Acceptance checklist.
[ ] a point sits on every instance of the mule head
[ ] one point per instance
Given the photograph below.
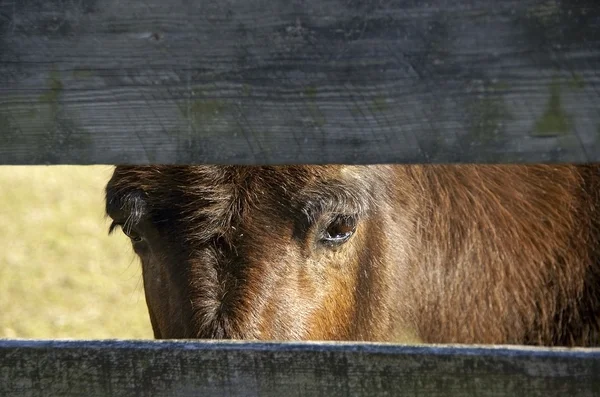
(280, 253)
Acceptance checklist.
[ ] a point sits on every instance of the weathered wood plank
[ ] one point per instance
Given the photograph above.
(311, 81)
(184, 368)
(120, 368)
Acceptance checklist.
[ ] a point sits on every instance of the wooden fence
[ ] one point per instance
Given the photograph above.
(297, 81)
(183, 368)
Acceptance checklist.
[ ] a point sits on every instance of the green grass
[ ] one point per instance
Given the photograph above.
(61, 275)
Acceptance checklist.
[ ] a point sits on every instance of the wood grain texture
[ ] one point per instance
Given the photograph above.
(183, 368)
(302, 81)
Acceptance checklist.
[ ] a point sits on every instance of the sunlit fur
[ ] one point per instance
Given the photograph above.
(442, 253)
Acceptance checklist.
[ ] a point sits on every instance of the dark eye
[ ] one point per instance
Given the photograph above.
(128, 231)
(339, 230)
(135, 237)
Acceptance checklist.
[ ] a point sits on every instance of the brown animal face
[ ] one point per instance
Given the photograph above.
(260, 252)
(462, 254)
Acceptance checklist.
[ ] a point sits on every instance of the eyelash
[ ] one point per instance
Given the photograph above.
(113, 226)
(133, 236)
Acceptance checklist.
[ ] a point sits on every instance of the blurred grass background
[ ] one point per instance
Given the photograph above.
(61, 275)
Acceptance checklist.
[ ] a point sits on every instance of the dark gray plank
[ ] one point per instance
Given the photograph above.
(303, 81)
(123, 368)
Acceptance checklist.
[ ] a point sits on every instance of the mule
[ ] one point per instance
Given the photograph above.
(479, 254)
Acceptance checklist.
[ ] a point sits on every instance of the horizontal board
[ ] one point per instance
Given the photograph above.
(307, 81)
(175, 369)
(186, 368)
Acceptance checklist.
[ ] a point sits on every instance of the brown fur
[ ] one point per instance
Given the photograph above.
(500, 254)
